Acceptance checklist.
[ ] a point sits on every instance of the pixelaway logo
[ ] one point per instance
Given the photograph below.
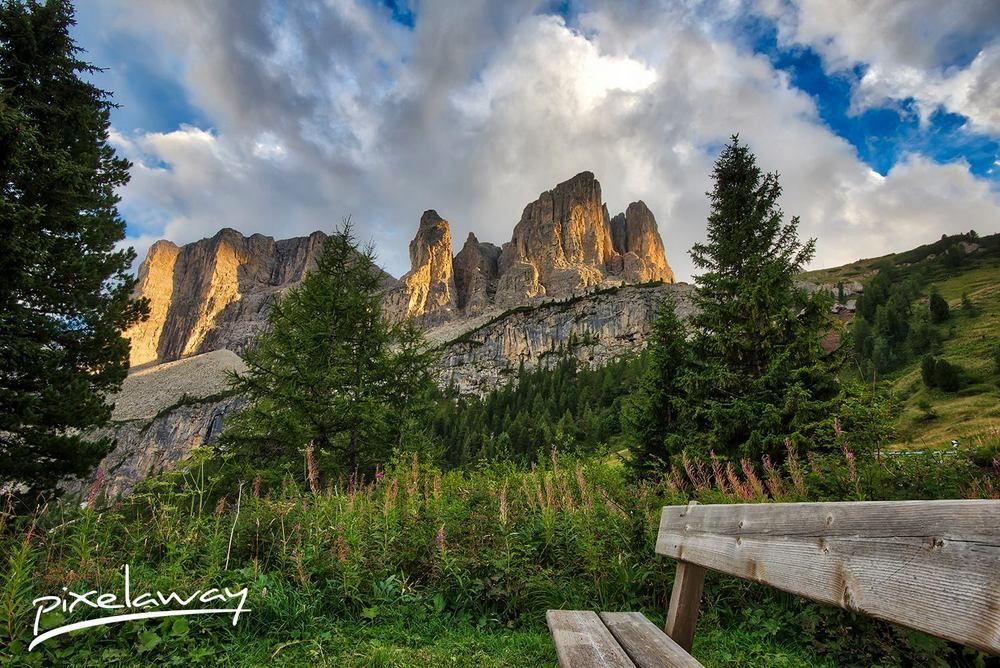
(148, 604)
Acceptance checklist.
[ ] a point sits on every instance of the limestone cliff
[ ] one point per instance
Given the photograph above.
(564, 244)
(476, 274)
(165, 411)
(595, 328)
(565, 235)
(156, 283)
(161, 414)
(214, 293)
(640, 246)
(428, 289)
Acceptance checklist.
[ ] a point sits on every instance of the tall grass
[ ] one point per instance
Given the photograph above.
(490, 549)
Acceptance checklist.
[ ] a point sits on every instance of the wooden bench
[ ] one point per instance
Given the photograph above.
(933, 566)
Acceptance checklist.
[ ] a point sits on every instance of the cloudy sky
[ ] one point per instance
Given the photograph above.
(883, 117)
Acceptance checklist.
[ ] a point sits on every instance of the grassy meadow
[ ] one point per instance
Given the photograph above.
(419, 566)
(930, 418)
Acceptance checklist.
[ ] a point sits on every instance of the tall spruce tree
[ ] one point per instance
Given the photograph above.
(331, 371)
(759, 374)
(65, 288)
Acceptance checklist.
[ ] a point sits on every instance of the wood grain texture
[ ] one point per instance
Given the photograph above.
(582, 641)
(930, 565)
(645, 644)
(685, 602)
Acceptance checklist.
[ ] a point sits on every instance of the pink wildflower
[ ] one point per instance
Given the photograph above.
(440, 537)
(97, 485)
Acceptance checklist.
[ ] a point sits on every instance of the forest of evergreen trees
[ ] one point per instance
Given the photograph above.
(568, 405)
(894, 326)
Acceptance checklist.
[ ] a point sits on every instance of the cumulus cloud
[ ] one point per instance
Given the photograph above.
(914, 49)
(320, 110)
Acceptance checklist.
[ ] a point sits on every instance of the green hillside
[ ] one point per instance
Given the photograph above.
(969, 338)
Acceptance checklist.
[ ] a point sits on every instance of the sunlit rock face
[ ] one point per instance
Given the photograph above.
(428, 289)
(565, 235)
(638, 242)
(155, 283)
(214, 293)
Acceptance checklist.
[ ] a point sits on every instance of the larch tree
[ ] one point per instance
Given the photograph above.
(332, 372)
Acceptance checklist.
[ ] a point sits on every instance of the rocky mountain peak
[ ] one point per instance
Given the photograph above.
(213, 293)
(561, 245)
(428, 289)
(637, 240)
(476, 274)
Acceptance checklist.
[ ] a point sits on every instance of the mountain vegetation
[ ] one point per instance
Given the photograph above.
(567, 405)
(377, 519)
(748, 375)
(65, 296)
(938, 368)
(331, 377)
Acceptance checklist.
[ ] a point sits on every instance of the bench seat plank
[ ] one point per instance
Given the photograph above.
(930, 565)
(645, 643)
(582, 641)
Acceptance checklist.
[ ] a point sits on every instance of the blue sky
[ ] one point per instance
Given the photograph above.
(282, 119)
(881, 134)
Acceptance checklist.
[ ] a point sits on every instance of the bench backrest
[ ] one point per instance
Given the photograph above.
(933, 566)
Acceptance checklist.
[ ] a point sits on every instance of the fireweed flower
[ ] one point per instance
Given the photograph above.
(97, 485)
(849, 456)
(440, 537)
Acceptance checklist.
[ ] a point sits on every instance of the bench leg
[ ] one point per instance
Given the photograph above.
(685, 601)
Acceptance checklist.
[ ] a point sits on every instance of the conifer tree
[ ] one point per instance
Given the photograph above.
(332, 370)
(649, 413)
(759, 374)
(65, 291)
(938, 307)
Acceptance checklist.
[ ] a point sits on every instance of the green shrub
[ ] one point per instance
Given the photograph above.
(938, 308)
(927, 367)
(940, 373)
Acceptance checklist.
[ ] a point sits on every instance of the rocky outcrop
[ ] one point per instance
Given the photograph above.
(595, 328)
(428, 289)
(476, 271)
(161, 415)
(144, 448)
(164, 412)
(565, 237)
(564, 244)
(638, 242)
(571, 244)
(155, 283)
(214, 293)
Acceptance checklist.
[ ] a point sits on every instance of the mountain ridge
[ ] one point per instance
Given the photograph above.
(215, 293)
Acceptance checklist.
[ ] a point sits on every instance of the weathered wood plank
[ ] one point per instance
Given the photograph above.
(582, 641)
(645, 644)
(685, 602)
(930, 565)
